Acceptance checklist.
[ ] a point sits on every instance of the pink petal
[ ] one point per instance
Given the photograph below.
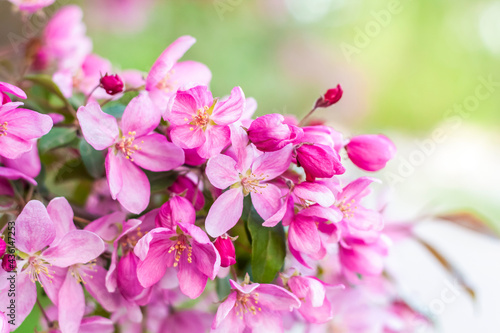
(52, 285)
(225, 212)
(268, 201)
(71, 305)
(9, 88)
(157, 154)
(13, 147)
(61, 214)
(25, 299)
(217, 138)
(315, 192)
(182, 109)
(192, 282)
(273, 164)
(184, 137)
(114, 173)
(356, 189)
(366, 219)
(12, 174)
(303, 235)
(34, 228)
(190, 72)
(96, 324)
(96, 287)
(28, 163)
(106, 227)
(27, 124)
(76, 247)
(135, 192)
(140, 116)
(99, 129)
(277, 298)
(221, 171)
(229, 110)
(224, 309)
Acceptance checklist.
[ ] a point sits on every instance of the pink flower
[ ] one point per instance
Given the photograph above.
(31, 6)
(19, 128)
(200, 121)
(64, 40)
(113, 84)
(11, 89)
(370, 152)
(357, 217)
(186, 248)
(134, 146)
(185, 185)
(225, 247)
(270, 133)
(254, 307)
(248, 175)
(167, 75)
(47, 248)
(331, 97)
(315, 307)
(177, 209)
(318, 161)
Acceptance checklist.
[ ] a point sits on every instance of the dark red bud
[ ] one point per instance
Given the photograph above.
(3, 247)
(9, 262)
(331, 97)
(113, 84)
(225, 247)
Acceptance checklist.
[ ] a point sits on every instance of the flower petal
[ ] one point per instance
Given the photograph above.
(217, 138)
(225, 212)
(273, 164)
(192, 282)
(184, 137)
(76, 247)
(140, 116)
(71, 305)
(303, 235)
(315, 192)
(221, 171)
(99, 129)
(268, 201)
(158, 154)
(229, 110)
(34, 228)
(61, 214)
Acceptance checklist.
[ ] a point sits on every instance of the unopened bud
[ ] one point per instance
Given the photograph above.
(9, 262)
(113, 84)
(225, 247)
(331, 97)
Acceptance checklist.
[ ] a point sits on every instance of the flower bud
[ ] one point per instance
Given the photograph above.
(270, 133)
(318, 161)
(113, 84)
(225, 247)
(370, 152)
(9, 262)
(331, 97)
(3, 247)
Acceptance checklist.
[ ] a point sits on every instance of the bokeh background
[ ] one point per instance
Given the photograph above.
(425, 73)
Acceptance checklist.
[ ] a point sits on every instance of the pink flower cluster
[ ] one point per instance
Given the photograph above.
(147, 252)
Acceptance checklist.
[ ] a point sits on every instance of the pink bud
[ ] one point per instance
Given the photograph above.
(370, 152)
(331, 97)
(3, 247)
(319, 161)
(9, 262)
(225, 247)
(113, 84)
(185, 185)
(270, 133)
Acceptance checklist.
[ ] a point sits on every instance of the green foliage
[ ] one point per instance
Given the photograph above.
(92, 159)
(57, 137)
(268, 245)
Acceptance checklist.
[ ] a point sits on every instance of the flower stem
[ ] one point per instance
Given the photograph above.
(302, 122)
(49, 322)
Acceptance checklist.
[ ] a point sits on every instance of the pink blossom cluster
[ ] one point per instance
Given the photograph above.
(159, 260)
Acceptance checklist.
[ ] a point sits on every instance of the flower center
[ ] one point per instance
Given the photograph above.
(3, 128)
(251, 182)
(129, 241)
(346, 208)
(247, 303)
(126, 145)
(79, 274)
(179, 248)
(165, 84)
(200, 119)
(37, 267)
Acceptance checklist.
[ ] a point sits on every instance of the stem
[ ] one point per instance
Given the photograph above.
(29, 195)
(301, 123)
(49, 322)
(81, 220)
(233, 273)
(90, 94)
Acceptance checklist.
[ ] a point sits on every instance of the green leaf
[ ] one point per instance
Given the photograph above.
(268, 245)
(222, 287)
(57, 137)
(72, 169)
(92, 159)
(116, 110)
(46, 82)
(160, 181)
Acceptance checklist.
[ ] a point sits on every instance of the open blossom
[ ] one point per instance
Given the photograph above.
(200, 121)
(18, 129)
(246, 176)
(255, 308)
(46, 250)
(11, 89)
(167, 74)
(370, 152)
(134, 145)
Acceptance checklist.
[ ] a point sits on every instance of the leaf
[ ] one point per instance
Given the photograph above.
(222, 287)
(449, 267)
(92, 159)
(470, 221)
(160, 181)
(116, 110)
(57, 137)
(72, 169)
(268, 245)
(46, 82)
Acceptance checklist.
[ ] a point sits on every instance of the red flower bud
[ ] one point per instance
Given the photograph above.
(225, 247)
(331, 97)
(113, 84)
(9, 262)
(3, 247)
